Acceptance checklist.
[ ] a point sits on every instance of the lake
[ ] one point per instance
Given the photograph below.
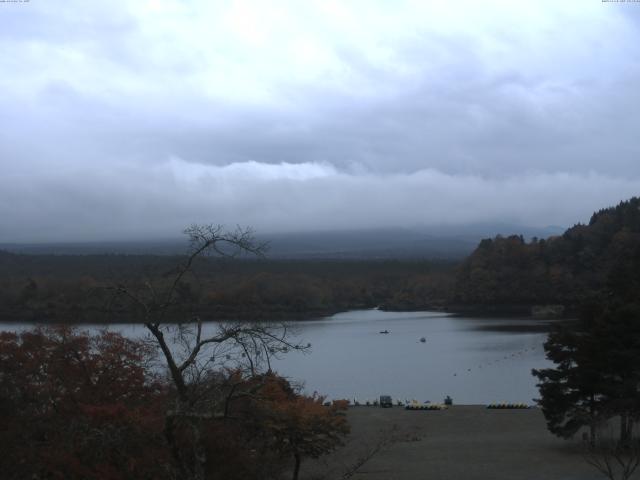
(474, 360)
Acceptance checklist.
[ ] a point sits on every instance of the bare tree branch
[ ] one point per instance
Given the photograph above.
(614, 459)
(194, 355)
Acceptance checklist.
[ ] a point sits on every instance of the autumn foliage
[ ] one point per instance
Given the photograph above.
(294, 426)
(587, 260)
(77, 406)
(80, 406)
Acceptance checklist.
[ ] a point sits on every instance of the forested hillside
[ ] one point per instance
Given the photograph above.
(601, 257)
(75, 288)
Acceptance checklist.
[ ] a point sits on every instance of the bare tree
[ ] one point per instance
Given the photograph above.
(196, 354)
(613, 458)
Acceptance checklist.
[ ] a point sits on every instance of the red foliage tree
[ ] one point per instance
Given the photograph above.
(79, 406)
(301, 425)
(281, 424)
(76, 406)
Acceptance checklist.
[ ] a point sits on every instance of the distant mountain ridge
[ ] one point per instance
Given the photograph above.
(441, 242)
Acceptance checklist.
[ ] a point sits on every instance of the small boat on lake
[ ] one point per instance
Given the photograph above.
(384, 331)
(422, 339)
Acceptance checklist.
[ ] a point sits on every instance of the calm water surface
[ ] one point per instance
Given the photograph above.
(474, 360)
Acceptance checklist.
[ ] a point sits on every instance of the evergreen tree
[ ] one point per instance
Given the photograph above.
(597, 372)
(570, 392)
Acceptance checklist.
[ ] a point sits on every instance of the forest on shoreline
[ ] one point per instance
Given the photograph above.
(75, 289)
(504, 275)
(599, 258)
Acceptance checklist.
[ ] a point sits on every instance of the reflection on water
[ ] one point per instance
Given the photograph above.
(474, 360)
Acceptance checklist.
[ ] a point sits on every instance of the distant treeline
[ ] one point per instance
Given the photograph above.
(600, 258)
(502, 274)
(77, 288)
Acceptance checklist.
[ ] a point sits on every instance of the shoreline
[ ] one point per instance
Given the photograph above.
(293, 316)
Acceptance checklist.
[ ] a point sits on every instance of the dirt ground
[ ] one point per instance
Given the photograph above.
(463, 442)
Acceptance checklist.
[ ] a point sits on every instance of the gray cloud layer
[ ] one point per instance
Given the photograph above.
(133, 120)
(128, 201)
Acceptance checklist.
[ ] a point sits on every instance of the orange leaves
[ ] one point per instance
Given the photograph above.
(300, 424)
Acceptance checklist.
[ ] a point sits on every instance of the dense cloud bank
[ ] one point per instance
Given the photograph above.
(129, 202)
(293, 115)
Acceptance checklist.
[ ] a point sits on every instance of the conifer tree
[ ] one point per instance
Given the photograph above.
(597, 372)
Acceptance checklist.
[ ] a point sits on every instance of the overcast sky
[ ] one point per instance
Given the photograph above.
(133, 119)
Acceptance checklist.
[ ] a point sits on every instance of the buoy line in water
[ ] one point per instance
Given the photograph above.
(513, 356)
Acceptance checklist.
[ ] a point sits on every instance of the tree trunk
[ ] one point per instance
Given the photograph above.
(191, 455)
(176, 374)
(199, 452)
(625, 429)
(592, 434)
(296, 469)
(592, 423)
